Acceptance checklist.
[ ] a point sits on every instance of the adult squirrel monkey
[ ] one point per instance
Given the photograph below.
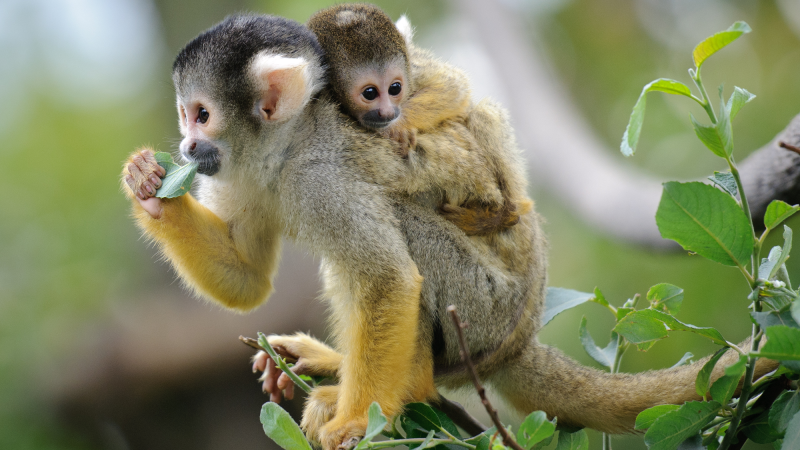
(279, 160)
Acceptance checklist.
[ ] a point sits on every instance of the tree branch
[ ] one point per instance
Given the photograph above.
(508, 441)
(609, 195)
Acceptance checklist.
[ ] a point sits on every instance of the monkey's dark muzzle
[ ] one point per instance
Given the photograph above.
(373, 119)
(205, 154)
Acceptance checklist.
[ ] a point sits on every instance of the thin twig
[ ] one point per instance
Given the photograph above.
(280, 362)
(462, 343)
(788, 147)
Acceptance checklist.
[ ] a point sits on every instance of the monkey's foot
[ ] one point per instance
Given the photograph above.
(319, 410)
(341, 435)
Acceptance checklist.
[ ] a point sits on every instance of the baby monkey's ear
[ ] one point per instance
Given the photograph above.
(284, 85)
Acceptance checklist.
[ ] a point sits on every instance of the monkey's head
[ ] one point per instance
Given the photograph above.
(367, 61)
(237, 82)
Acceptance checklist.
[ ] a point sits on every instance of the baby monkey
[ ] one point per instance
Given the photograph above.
(400, 91)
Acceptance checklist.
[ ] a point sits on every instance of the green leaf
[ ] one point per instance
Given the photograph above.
(724, 128)
(604, 356)
(703, 380)
(772, 318)
(714, 43)
(178, 179)
(572, 441)
(559, 300)
(427, 441)
(693, 443)
(783, 343)
(646, 418)
(666, 297)
(777, 212)
(377, 421)
(710, 136)
(674, 427)
(631, 137)
(281, 428)
(791, 440)
(769, 263)
(535, 428)
(796, 311)
(723, 389)
(599, 298)
(447, 424)
(423, 415)
(686, 359)
(641, 326)
(758, 429)
(482, 440)
(706, 221)
(726, 181)
(738, 99)
(783, 410)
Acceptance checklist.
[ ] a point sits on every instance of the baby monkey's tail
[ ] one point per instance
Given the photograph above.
(543, 378)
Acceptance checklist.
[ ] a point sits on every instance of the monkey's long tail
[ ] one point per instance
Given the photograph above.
(545, 379)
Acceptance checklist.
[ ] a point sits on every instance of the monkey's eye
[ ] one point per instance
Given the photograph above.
(202, 115)
(395, 88)
(370, 93)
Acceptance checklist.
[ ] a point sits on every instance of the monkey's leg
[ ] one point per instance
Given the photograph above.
(383, 362)
(543, 378)
(213, 257)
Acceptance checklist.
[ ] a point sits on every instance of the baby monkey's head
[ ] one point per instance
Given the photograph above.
(367, 60)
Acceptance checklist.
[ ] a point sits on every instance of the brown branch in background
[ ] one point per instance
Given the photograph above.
(789, 147)
(508, 441)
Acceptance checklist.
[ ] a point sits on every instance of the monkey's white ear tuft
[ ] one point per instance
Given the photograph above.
(404, 27)
(285, 85)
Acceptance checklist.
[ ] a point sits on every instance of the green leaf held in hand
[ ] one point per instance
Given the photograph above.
(281, 428)
(665, 297)
(706, 221)
(604, 356)
(559, 300)
(535, 428)
(716, 42)
(631, 137)
(777, 212)
(178, 179)
(674, 427)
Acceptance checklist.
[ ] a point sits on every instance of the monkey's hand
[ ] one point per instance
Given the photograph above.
(142, 174)
(311, 357)
(404, 136)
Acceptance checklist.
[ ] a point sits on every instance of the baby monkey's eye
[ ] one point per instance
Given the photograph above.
(370, 93)
(395, 88)
(202, 115)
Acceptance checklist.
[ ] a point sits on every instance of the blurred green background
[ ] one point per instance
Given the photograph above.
(85, 303)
